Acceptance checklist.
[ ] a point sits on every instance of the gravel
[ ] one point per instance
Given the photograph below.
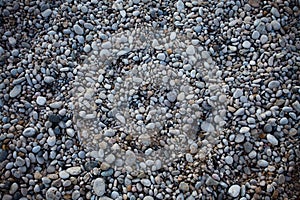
(149, 100)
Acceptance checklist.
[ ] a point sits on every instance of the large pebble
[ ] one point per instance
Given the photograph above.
(99, 187)
(234, 190)
(29, 132)
(74, 171)
(272, 139)
(77, 29)
(15, 91)
(40, 100)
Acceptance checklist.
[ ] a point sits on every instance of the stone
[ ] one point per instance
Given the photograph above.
(48, 79)
(239, 112)
(19, 161)
(106, 45)
(3, 155)
(239, 138)
(229, 160)
(54, 118)
(275, 25)
(172, 96)
(29, 132)
(146, 182)
(74, 171)
(40, 100)
(148, 198)
(244, 130)
(237, 93)
(99, 187)
(63, 174)
(268, 128)
(246, 44)
(275, 12)
(161, 56)
(211, 182)
(255, 35)
(248, 147)
(234, 191)
(183, 186)
(262, 163)
(272, 139)
(77, 29)
(46, 13)
(273, 84)
(283, 121)
(15, 91)
(190, 50)
(53, 194)
(263, 39)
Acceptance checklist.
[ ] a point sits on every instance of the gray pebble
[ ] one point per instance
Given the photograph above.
(99, 187)
(190, 50)
(239, 138)
(275, 25)
(234, 190)
(272, 139)
(64, 175)
(263, 39)
(46, 13)
(255, 35)
(246, 44)
(15, 91)
(74, 171)
(262, 163)
(19, 161)
(237, 93)
(51, 141)
(40, 100)
(77, 29)
(183, 186)
(248, 147)
(146, 182)
(161, 56)
(29, 132)
(273, 84)
(48, 79)
(3, 155)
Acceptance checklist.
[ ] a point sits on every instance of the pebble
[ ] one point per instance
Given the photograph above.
(255, 35)
(275, 12)
(244, 130)
(3, 155)
(183, 186)
(99, 186)
(46, 13)
(40, 100)
(172, 96)
(148, 198)
(273, 84)
(161, 56)
(229, 160)
(51, 141)
(64, 175)
(246, 44)
(190, 50)
(237, 93)
(263, 39)
(239, 138)
(146, 182)
(29, 132)
(78, 30)
(248, 147)
(234, 191)
(74, 171)
(272, 139)
(262, 163)
(275, 25)
(15, 91)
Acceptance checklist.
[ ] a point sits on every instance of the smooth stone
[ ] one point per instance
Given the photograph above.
(88, 166)
(106, 45)
(48, 79)
(240, 111)
(29, 132)
(239, 138)
(252, 154)
(273, 84)
(20, 162)
(275, 12)
(183, 186)
(46, 13)
(248, 147)
(40, 100)
(107, 173)
(77, 29)
(244, 130)
(272, 139)
(283, 121)
(234, 191)
(229, 160)
(3, 155)
(64, 174)
(15, 91)
(237, 93)
(246, 44)
(268, 128)
(148, 198)
(74, 171)
(275, 25)
(99, 187)
(36, 149)
(146, 182)
(51, 141)
(190, 50)
(54, 118)
(53, 193)
(110, 133)
(110, 158)
(262, 163)
(161, 56)
(255, 35)
(263, 39)
(56, 105)
(172, 96)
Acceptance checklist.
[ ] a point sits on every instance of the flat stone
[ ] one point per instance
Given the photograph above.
(246, 44)
(272, 139)
(40, 100)
(263, 39)
(99, 187)
(244, 130)
(29, 132)
(3, 155)
(74, 171)
(46, 13)
(273, 84)
(64, 174)
(229, 160)
(262, 163)
(190, 50)
(237, 93)
(248, 147)
(255, 35)
(146, 182)
(275, 25)
(183, 186)
(275, 12)
(234, 190)
(15, 91)
(161, 56)
(77, 29)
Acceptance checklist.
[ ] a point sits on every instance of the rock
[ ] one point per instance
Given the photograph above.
(51, 141)
(54, 118)
(275, 12)
(246, 44)
(3, 155)
(237, 93)
(268, 128)
(75, 195)
(148, 198)
(29, 132)
(172, 96)
(272, 139)
(183, 186)
(130, 158)
(48, 79)
(211, 182)
(190, 50)
(99, 187)
(262, 163)
(263, 39)
(161, 56)
(64, 175)
(229, 160)
(15, 91)
(40, 100)
(244, 130)
(53, 194)
(46, 13)
(77, 29)
(239, 138)
(91, 165)
(74, 171)
(248, 147)
(110, 158)
(255, 35)
(296, 106)
(107, 173)
(239, 112)
(106, 45)
(234, 190)
(275, 25)
(283, 121)
(146, 182)
(273, 84)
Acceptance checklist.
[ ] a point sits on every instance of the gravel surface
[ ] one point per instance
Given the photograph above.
(140, 99)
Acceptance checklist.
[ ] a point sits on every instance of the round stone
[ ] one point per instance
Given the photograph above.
(246, 44)
(190, 50)
(275, 25)
(3, 155)
(234, 190)
(255, 35)
(99, 187)
(40, 100)
(15, 91)
(29, 132)
(272, 139)
(262, 163)
(229, 160)
(183, 186)
(77, 29)
(263, 39)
